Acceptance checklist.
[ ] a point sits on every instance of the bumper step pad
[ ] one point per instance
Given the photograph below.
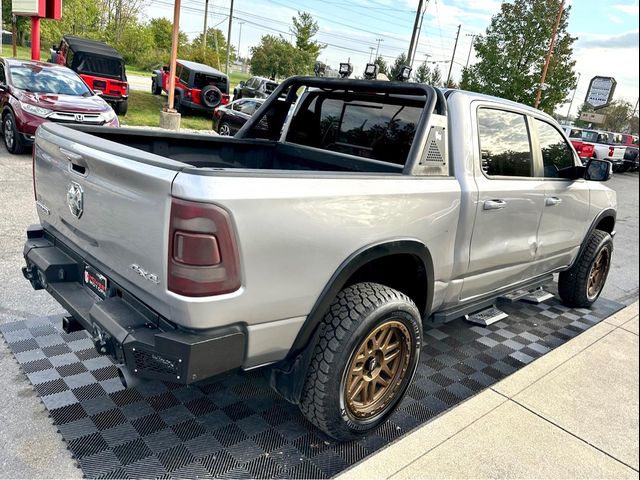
(235, 426)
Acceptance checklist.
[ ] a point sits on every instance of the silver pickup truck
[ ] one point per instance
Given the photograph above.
(317, 241)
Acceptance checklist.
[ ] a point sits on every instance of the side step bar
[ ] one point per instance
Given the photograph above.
(487, 316)
(476, 305)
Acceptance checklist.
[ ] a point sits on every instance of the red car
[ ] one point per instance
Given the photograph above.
(36, 92)
(585, 150)
(99, 65)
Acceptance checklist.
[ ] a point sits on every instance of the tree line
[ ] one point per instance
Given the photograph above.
(143, 44)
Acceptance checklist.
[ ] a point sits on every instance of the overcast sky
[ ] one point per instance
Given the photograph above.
(607, 31)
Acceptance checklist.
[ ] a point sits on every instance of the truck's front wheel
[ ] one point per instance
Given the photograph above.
(582, 284)
(365, 357)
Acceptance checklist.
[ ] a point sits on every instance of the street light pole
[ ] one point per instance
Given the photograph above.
(414, 34)
(204, 31)
(573, 96)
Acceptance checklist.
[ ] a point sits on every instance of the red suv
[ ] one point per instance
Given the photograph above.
(199, 87)
(99, 65)
(35, 92)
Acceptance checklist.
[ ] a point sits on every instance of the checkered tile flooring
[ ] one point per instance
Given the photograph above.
(235, 426)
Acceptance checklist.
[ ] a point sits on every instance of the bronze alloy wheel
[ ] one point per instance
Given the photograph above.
(598, 273)
(377, 369)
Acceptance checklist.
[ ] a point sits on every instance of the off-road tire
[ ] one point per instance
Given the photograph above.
(121, 108)
(156, 88)
(573, 283)
(357, 312)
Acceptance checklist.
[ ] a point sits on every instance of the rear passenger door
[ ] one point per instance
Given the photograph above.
(566, 203)
(509, 205)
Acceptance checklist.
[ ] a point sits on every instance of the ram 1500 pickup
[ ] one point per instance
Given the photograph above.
(316, 241)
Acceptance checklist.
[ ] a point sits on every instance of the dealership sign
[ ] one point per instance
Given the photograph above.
(38, 8)
(592, 117)
(600, 91)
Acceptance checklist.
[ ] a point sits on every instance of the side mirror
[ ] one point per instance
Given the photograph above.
(3, 88)
(598, 170)
(242, 83)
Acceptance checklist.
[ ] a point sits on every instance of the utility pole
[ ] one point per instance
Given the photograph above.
(204, 31)
(455, 46)
(226, 69)
(548, 59)
(473, 37)
(572, 97)
(415, 49)
(414, 34)
(371, 53)
(14, 43)
(240, 37)
(378, 49)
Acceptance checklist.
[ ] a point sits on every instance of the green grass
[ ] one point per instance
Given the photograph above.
(144, 110)
(23, 53)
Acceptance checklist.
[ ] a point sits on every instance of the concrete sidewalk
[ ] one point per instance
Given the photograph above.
(571, 414)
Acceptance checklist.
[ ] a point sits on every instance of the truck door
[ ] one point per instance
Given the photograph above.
(566, 203)
(510, 202)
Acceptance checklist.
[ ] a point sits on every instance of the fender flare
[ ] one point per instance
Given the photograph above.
(347, 268)
(606, 213)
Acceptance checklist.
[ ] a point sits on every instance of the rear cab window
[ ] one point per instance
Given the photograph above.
(505, 147)
(360, 125)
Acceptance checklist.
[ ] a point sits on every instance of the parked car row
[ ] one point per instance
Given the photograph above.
(619, 148)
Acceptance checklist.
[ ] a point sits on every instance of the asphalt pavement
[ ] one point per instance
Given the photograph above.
(29, 444)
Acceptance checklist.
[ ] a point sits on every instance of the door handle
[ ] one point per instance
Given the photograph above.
(552, 201)
(495, 204)
(77, 162)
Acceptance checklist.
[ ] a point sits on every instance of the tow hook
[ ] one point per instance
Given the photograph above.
(35, 277)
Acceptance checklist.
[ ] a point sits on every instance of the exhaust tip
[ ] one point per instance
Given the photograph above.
(122, 377)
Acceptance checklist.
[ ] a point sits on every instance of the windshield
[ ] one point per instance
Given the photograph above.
(33, 78)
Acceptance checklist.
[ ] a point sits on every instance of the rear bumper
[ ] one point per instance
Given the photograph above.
(197, 106)
(125, 329)
(115, 98)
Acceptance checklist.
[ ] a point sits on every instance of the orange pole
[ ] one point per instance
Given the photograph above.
(174, 53)
(548, 59)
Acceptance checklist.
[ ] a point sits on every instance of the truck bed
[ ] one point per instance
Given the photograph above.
(216, 152)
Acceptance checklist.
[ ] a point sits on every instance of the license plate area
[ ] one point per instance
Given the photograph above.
(95, 281)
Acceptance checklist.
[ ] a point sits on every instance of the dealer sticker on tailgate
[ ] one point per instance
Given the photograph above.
(95, 281)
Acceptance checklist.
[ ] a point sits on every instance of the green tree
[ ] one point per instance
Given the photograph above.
(274, 57)
(79, 17)
(215, 53)
(618, 115)
(162, 31)
(396, 68)
(304, 29)
(382, 66)
(424, 74)
(512, 53)
(137, 45)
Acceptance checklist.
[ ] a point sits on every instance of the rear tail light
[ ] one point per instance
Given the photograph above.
(225, 99)
(203, 254)
(611, 149)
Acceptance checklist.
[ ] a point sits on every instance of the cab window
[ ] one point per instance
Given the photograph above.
(556, 153)
(505, 148)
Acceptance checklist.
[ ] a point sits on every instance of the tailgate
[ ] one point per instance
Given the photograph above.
(618, 153)
(111, 201)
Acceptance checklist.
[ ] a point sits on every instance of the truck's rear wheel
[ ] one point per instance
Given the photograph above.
(582, 284)
(122, 107)
(365, 357)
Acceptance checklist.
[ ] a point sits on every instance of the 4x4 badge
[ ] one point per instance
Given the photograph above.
(75, 199)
